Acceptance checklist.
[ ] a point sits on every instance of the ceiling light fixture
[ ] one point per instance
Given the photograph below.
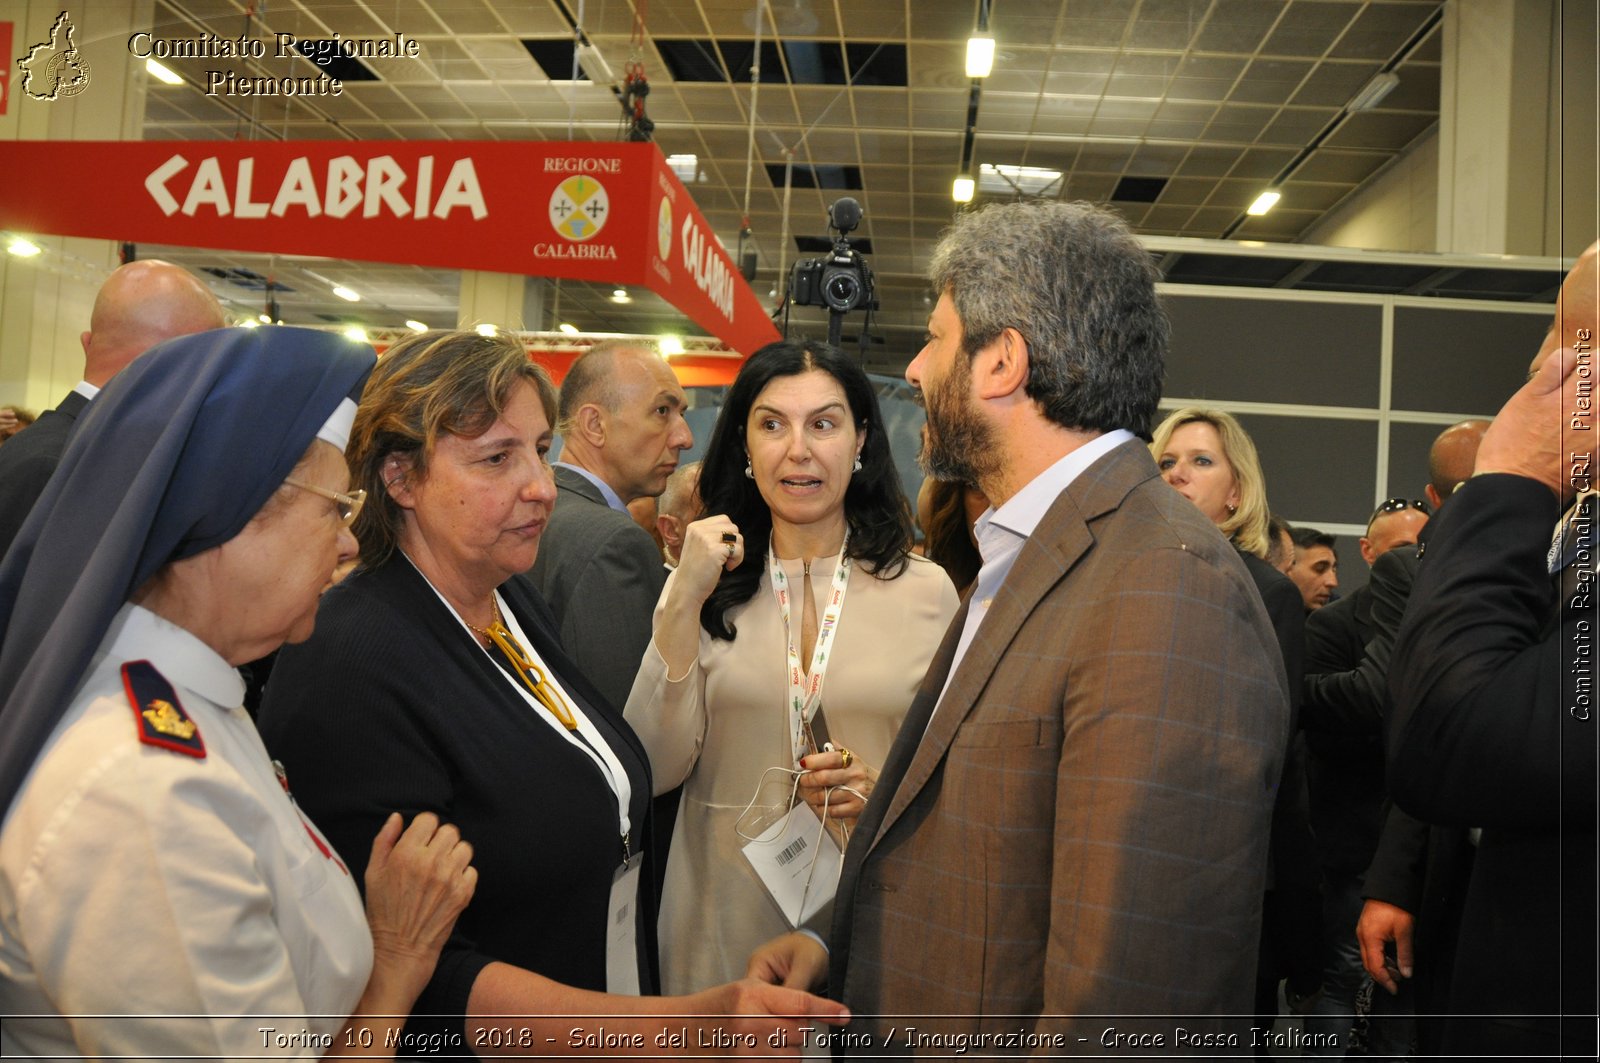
(23, 248)
(264, 319)
(161, 72)
(249, 322)
(620, 295)
(486, 329)
(347, 294)
(1373, 92)
(980, 55)
(357, 333)
(1264, 202)
(569, 328)
(1016, 180)
(416, 326)
(962, 187)
(671, 345)
(685, 167)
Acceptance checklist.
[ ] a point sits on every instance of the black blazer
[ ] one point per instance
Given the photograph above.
(1493, 725)
(392, 706)
(27, 461)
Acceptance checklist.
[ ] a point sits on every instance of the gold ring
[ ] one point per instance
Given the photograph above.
(845, 757)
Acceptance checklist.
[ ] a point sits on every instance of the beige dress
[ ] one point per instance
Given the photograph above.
(717, 729)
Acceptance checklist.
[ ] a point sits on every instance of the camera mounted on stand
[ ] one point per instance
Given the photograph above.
(842, 281)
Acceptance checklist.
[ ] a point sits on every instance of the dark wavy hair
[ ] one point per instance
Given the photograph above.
(875, 508)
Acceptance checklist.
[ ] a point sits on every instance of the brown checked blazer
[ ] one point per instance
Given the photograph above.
(1082, 831)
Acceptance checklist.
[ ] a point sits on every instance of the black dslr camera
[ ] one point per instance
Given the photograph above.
(842, 281)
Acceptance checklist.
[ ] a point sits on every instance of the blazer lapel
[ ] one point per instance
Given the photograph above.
(909, 737)
(578, 484)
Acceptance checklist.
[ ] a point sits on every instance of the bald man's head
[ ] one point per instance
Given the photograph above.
(1451, 457)
(140, 305)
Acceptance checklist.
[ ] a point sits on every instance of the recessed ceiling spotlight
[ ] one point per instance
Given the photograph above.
(348, 294)
(569, 328)
(1264, 202)
(980, 55)
(416, 326)
(357, 333)
(961, 189)
(487, 329)
(1373, 92)
(23, 248)
(161, 72)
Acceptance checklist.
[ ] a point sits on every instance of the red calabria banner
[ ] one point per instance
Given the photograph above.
(612, 213)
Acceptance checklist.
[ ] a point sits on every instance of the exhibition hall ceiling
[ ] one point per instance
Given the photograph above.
(1177, 113)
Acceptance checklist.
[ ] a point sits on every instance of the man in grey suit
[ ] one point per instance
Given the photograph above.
(140, 305)
(1067, 845)
(622, 427)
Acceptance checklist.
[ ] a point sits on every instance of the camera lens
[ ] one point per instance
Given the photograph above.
(842, 291)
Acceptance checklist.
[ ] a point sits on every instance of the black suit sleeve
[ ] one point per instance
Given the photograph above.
(1352, 702)
(1397, 871)
(1491, 722)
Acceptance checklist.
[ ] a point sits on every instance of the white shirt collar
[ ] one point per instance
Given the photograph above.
(138, 634)
(86, 389)
(1024, 510)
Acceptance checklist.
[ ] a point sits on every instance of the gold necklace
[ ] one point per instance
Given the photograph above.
(527, 669)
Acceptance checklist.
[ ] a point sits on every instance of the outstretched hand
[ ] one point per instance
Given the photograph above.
(794, 959)
(748, 1018)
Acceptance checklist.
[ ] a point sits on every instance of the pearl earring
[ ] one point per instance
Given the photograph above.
(857, 466)
(748, 471)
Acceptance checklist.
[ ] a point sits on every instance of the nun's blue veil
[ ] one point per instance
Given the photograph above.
(173, 457)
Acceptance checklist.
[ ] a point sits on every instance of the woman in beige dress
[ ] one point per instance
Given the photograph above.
(802, 496)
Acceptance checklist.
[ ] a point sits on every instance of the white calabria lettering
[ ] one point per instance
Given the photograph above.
(377, 186)
(711, 274)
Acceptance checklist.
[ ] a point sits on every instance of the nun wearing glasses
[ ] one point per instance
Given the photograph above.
(161, 895)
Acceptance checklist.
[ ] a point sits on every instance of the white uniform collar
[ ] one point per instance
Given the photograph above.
(138, 634)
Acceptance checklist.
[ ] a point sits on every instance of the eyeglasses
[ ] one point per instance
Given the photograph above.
(1396, 505)
(349, 504)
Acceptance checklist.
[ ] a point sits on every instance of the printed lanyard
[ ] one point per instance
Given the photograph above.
(805, 688)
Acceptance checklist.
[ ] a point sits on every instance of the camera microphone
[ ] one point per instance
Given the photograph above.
(844, 214)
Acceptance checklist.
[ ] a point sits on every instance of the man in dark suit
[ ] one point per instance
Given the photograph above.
(622, 428)
(1073, 820)
(1343, 717)
(1494, 715)
(140, 305)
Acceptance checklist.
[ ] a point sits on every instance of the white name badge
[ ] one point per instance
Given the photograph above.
(798, 861)
(622, 954)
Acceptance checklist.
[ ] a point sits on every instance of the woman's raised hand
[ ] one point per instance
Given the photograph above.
(711, 546)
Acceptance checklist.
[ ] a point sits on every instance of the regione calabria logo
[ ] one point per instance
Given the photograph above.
(55, 69)
(578, 207)
(664, 229)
